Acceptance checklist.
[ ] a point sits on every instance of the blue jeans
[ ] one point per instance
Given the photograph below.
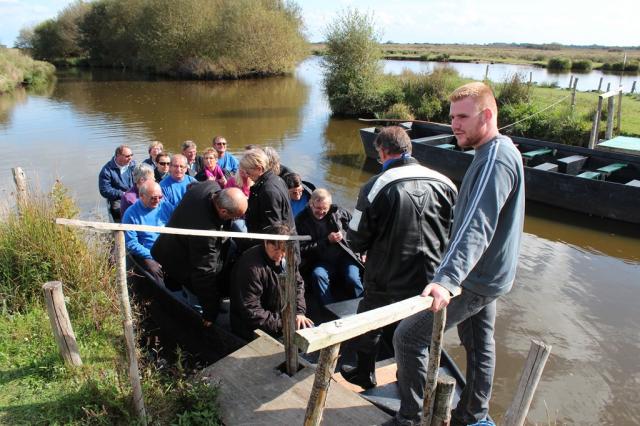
(344, 269)
(475, 316)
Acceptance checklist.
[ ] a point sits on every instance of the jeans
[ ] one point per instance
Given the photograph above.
(475, 316)
(344, 269)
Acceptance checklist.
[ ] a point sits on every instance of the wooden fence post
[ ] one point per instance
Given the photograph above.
(289, 304)
(633, 87)
(573, 93)
(600, 84)
(318, 398)
(608, 134)
(20, 179)
(486, 73)
(60, 323)
(608, 86)
(444, 399)
(593, 139)
(134, 372)
(619, 113)
(437, 333)
(571, 82)
(536, 360)
(530, 77)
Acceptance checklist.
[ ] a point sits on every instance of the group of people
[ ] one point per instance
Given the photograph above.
(412, 232)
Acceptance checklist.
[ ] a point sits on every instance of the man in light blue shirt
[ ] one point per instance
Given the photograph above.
(176, 184)
(227, 162)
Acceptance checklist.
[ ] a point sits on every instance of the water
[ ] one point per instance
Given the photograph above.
(578, 281)
(501, 72)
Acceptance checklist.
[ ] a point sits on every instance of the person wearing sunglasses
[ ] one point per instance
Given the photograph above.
(116, 178)
(150, 209)
(163, 161)
(227, 162)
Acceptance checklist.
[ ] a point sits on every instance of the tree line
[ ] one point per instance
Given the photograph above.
(186, 38)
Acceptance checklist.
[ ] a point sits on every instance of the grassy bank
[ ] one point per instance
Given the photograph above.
(18, 69)
(36, 387)
(531, 54)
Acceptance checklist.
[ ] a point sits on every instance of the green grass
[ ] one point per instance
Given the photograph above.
(18, 69)
(35, 386)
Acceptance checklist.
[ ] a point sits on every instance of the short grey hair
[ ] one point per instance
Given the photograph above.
(142, 170)
(223, 200)
(189, 144)
(146, 187)
(180, 157)
(320, 194)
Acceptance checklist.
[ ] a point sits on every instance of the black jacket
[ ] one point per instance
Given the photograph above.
(402, 221)
(199, 162)
(312, 251)
(255, 299)
(268, 204)
(194, 262)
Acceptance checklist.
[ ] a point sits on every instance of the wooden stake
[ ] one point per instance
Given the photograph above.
(134, 372)
(289, 310)
(318, 398)
(486, 73)
(608, 134)
(619, 113)
(600, 84)
(593, 140)
(536, 360)
(60, 323)
(437, 333)
(571, 82)
(444, 399)
(633, 87)
(573, 93)
(530, 78)
(608, 86)
(20, 180)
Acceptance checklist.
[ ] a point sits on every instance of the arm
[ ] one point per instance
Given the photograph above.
(250, 286)
(131, 240)
(106, 187)
(362, 227)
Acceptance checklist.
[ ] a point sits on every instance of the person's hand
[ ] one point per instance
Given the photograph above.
(335, 237)
(222, 182)
(154, 267)
(303, 322)
(441, 296)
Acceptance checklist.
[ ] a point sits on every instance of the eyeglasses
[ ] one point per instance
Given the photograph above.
(164, 163)
(180, 166)
(221, 143)
(127, 156)
(156, 197)
(209, 158)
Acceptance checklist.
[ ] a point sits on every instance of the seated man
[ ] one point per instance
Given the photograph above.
(297, 195)
(195, 164)
(227, 162)
(176, 184)
(327, 257)
(255, 297)
(196, 262)
(116, 178)
(149, 209)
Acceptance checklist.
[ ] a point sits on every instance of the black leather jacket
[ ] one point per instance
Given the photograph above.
(402, 221)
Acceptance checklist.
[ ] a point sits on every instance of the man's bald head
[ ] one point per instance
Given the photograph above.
(230, 203)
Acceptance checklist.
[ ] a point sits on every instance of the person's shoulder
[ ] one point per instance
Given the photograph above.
(166, 181)
(132, 213)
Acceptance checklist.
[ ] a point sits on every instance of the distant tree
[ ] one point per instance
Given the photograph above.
(25, 38)
(60, 37)
(352, 69)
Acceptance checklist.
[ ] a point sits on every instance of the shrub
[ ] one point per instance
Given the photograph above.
(352, 71)
(559, 64)
(427, 94)
(398, 111)
(583, 65)
(513, 91)
(17, 68)
(60, 37)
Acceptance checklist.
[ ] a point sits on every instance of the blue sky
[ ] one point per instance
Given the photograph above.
(614, 22)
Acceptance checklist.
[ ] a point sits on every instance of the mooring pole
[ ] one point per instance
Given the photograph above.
(289, 310)
(20, 180)
(318, 398)
(60, 323)
(437, 333)
(536, 360)
(443, 401)
(134, 372)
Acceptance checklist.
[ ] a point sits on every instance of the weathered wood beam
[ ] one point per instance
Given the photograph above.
(443, 401)
(288, 309)
(318, 398)
(60, 323)
(435, 351)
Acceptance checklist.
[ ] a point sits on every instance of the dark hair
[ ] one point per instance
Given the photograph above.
(276, 229)
(162, 154)
(292, 180)
(121, 148)
(394, 140)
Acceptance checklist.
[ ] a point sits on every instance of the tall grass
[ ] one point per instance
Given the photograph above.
(18, 69)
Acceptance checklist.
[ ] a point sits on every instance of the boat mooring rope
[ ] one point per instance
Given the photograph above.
(535, 113)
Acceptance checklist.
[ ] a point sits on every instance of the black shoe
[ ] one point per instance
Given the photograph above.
(353, 375)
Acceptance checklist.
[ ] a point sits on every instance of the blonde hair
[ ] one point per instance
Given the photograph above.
(253, 159)
(481, 94)
(210, 151)
(274, 159)
(155, 144)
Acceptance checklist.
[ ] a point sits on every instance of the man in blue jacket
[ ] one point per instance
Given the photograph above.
(176, 184)
(478, 266)
(116, 178)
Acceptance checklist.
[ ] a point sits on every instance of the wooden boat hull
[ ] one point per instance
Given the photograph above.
(608, 197)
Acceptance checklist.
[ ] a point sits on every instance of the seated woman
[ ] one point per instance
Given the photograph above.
(141, 173)
(298, 197)
(163, 161)
(211, 169)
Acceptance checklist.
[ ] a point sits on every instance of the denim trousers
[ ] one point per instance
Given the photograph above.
(475, 317)
(344, 269)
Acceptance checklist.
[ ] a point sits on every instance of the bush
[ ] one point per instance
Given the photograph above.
(352, 71)
(583, 65)
(513, 91)
(428, 94)
(398, 111)
(60, 37)
(559, 64)
(17, 68)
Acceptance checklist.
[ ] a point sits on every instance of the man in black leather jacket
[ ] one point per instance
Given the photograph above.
(402, 221)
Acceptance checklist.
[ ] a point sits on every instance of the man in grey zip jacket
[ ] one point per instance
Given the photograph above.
(478, 266)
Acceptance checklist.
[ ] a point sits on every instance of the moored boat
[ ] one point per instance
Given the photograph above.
(594, 182)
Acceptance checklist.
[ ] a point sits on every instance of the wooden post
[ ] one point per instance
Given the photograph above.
(134, 373)
(21, 186)
(318, 398)
(571, 82)
(573, 93)
(600, 84)
(537, 358)
(593, 140)
(608, 134)
(437, 333)
(444, 399)
(608, 86)
(486, 73)
(619, 113)
(60, 323)
(633, 86)
(530, 77)
(289, 311)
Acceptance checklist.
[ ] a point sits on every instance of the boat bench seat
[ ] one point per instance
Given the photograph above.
(634, 182)
(571, 165)
(611, 168)
(547, 167)
(590, 175)
(446, 146)
(470, 152)
(536, 153)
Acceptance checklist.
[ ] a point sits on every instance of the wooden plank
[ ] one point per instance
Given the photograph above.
(60, 323)
(435, 351)
(106, 226)
(444, 399)
(20, 180)
(610, 93)
(289, 308)
(253, 391)
(330, 333)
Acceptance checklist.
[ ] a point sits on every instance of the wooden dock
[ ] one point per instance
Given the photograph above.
(255, 391)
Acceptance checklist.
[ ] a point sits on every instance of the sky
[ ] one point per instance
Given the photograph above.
(580, 22)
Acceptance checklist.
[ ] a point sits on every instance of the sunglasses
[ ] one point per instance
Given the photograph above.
(164, 163)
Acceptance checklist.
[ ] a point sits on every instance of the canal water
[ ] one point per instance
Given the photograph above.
(578, 283)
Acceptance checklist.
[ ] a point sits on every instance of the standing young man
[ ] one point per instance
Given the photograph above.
(478, 266)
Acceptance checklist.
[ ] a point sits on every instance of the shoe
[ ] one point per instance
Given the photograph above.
(353, 375)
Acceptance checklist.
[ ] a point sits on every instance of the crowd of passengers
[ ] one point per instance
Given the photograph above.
(214, 190)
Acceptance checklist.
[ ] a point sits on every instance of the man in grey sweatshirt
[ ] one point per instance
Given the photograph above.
(479, 264)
